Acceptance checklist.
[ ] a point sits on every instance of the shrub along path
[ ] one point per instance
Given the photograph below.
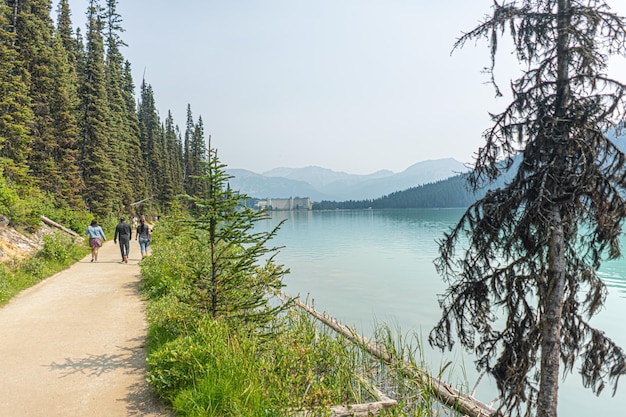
(73, 345)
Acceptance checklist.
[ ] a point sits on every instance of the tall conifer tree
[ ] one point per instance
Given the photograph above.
(187, 168)
(54, 131)
(173, 181)
(150, 131)
(522, 262)
(97, 168)
(15, 110)
(122, 143)
(195, 155)
(137, 164)
(199, 155)
(65, 108)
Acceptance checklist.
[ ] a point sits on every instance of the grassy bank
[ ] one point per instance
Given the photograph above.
(206, 366)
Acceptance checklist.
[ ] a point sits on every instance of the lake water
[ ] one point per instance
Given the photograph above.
(376, 266)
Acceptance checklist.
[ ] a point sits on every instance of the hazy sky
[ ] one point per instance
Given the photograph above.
(350, 85)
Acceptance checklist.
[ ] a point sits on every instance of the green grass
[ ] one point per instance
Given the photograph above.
(219, 367)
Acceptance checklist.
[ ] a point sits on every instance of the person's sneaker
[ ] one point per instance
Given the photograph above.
(91, 259)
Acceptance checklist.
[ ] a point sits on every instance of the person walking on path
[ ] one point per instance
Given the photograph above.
(96, 237)
(123, 232)
(143, 235)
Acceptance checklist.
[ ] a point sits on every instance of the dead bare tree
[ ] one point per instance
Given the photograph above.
(524, 282)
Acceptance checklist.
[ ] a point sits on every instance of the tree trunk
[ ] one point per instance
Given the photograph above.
(547, 400)
(552, 299)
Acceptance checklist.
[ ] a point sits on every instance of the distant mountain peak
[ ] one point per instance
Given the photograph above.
(323, 183)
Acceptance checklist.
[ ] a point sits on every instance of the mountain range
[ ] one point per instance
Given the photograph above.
(321, 184)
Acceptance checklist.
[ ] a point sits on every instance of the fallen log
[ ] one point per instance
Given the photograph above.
(58, 226)
(445, 393)
(354, 410)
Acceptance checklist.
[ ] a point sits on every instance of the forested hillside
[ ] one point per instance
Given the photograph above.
(72, 133)
(451, 192)
(448, 193)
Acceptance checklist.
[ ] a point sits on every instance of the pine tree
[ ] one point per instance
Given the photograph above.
(66, 185)
(151, 138)
(67, 107)
(122, 143)
(97, 167)
(54, 131)
(15, 105)
(195, 155)
(137, 165)
(173, 178)
(228, 280)
(187, 167)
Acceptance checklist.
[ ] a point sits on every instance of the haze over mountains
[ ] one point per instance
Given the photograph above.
(325, 184)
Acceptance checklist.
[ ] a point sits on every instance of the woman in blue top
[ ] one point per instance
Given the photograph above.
(96, 236)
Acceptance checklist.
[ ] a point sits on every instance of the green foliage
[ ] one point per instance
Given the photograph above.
(22, 204)
(217, 367)
(211, 369)
(73, 219)
(16, 115)
(232, 272)
(8, 196)
(314, 368)
(57, 247)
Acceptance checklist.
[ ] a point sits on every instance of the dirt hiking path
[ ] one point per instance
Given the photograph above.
(74, 344)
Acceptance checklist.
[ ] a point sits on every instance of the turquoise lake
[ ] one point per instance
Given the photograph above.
(376, 266)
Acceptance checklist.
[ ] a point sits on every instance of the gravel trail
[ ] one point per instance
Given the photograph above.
(74, 344)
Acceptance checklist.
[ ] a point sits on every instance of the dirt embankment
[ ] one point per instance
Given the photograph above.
(15, 245)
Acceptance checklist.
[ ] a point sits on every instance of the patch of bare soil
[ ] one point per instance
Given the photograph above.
(15, 245)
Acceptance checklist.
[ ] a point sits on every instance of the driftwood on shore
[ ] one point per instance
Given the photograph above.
(58, 226)
(445, 393)
(354, 410)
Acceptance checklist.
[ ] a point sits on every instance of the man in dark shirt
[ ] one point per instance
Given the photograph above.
(123, 232)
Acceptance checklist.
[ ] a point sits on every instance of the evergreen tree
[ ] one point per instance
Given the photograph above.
(188, 169)
(66, 31)
(150, 134)
(524, 287)
(54, 132)
(136, 163)
(64, 182)
(173, 179)
(122, 143)
(97, 168)
(15, 105)
(196, 156)
(65, 109)
(228, 280)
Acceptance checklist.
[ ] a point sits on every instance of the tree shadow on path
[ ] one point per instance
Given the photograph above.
(140, 399)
